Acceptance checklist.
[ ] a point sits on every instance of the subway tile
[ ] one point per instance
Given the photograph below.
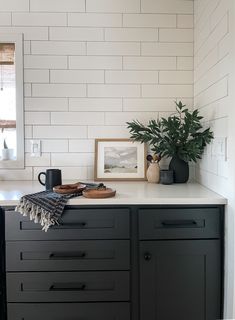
(95, 104)
(95, 132)
(148, 104)
(5, 19)
(37, 118)
(121, 6)
(166, 49)
(57, 6)
(50, 145)
(131, 77)
(149, 20)
(77, 76)
(113, 48)
(46, 104)
(76, 34)
(58, 48)
(167, 91)
(59, 132)
(39, 19)
(185, 21)
(43, 160)
(72, 159)
(113, 91)
(81, 145)
(185, 63)
(77, 118)
(17, 174)
(27, 89)
(14, 5)
(131, 34)
(93, 62)
(45, 62)
(27, 47)
(36, 76)
(167, 6)
(28, 132)
(30, 33)
(58, 90)
(68, 173)
(121, 118)
(94, 20)
(176, 77)
(176, 35)
(149, 63)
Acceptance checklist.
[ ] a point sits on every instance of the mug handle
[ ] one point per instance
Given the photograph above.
(39, 177)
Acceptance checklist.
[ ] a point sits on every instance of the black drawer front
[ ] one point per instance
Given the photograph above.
(69, 311)
(179, 223)
(98, 223)
(68, 286)
(68, 255)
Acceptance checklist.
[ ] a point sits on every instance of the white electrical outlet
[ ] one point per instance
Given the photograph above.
(219, 148)
(35, 148)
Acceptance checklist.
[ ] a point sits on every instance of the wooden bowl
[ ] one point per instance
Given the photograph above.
(99, 193)
(69, 188)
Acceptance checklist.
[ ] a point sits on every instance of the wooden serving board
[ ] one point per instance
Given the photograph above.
(99, 194)
(69, 188)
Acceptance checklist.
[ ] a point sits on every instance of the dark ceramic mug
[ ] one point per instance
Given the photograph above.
(166, 176)
(52, 178)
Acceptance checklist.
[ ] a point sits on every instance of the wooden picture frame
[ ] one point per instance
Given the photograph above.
(120, 159)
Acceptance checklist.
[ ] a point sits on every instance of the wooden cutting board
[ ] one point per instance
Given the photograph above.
(99, 194)
(69, 188)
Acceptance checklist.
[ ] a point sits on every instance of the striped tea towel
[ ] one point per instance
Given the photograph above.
(44, 207)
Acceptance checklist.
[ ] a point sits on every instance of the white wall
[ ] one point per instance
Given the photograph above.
(214, 83)
(90, 66)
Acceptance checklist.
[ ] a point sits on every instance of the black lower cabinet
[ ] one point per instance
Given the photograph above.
(2, 268)
(180, 279)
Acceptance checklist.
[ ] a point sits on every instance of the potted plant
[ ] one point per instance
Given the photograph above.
(180, 136)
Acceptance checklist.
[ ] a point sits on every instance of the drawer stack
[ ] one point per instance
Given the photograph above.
(77, 270)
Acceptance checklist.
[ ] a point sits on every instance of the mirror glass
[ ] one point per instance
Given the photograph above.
(11, 102)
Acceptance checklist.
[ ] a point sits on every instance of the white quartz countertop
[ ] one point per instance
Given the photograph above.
(128, 193)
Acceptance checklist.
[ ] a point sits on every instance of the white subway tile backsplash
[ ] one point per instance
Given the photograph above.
(77, 76)
(50, 145)
(121, 118)
(149, 63)
(176, 35)
(176, 77)
(81, 145)
(45, 62)
(131, 77)
(184, 63)
(72, 159)
(16, 174)
(5, 19)
(167, 6)
(43, 160)
(131, 34)
(39, 19)
(58, 47)
(148, 104)
(121, 6)
(77, 118)
(46, 104)
(27, 47)
(36, 76)
(27, 89)
(58, 90)
(30, 33)
(59, 132)
(95, 104)
(94, 20)
(37, 118)
(185, 21)
(14, 5)
(95, 132)
(167, 49)
(68, 173)
(93, 62)
(57, 6)
(169, 91)
(113, 91)
(113, 48)
(76, 34)
(149, 20)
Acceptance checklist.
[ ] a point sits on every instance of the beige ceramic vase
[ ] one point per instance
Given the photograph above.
(153, 173)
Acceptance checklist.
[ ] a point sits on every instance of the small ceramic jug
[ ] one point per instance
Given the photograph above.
(153, 173)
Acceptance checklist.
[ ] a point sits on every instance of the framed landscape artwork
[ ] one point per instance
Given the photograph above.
(120, 159)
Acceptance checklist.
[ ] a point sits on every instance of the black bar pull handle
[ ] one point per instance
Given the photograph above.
(178, 223)
(73, 225)
(68, 286)
(67, 255)
(147, 256)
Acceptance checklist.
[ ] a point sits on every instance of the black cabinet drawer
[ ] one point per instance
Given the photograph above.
(68, 286)
(69, 311)
(97, 223)
(68, 255)
(179, 223)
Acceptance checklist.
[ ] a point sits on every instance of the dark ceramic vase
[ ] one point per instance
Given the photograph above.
(180, 169)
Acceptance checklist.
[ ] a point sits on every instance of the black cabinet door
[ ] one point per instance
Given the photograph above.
(180, 280)
(2, 267)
